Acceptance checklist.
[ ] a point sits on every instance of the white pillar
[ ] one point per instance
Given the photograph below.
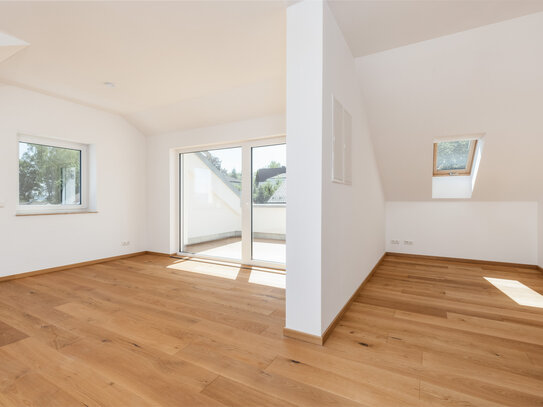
(304, 154)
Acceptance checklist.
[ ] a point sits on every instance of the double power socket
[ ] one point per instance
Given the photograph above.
(405, 242)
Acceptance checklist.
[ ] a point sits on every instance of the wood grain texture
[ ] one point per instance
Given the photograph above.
(338, 317)
(320, 340)
(68, 266)
(156, 331)
(461, 260)
(302, 336)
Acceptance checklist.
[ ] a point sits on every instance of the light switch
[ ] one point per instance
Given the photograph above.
(1, 204)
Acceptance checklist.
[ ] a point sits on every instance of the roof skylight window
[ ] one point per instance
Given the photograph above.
(454, 157)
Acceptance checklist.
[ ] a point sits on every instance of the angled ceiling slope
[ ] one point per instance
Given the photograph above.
(159, 55)
(9, 46)
(486, 80)
(372, 26)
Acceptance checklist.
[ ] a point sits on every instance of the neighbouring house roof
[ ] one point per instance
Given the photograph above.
(264, 174)
(280, 196)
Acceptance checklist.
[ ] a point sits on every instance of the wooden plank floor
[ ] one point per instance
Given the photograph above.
(145, 332)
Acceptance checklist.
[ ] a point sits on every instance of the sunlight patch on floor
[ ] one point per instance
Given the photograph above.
(266, 278)
(214, 270)
(265, 251)
(517, 291)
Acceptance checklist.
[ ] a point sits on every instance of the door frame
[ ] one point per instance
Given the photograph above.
(246, 198)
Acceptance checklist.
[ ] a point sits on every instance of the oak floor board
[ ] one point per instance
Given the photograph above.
(9, 334)
(354, 388)
(160, 380)
(442, 304)
(51, 334)
(80, 381)
(276, 385)
(178, 307)
(512, 381)
(127, 324)
(229, 393)
(189, 296)
(439, 396)
(441, 330)
(156, 331)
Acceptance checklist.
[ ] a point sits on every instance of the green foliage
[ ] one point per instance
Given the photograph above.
(265, 190)
(274, 164)
(261, 192)
(41, 173)
(216, 161)
(235, 179)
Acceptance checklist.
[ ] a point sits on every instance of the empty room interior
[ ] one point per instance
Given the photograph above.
(152, 255)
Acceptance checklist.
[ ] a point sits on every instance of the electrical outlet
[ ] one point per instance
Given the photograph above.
(395, 242)
(125, 243)
(408, 242)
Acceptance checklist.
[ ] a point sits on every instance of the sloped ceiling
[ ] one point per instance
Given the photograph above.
(375, 25)
(185, 64)
(486, 80)
(9, 46)
(170, 61)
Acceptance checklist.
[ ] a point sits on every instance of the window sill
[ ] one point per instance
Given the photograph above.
(53, 213)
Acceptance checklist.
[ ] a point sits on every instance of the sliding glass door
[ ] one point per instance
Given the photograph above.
(233, 202)
(211, 202)
(269, 203)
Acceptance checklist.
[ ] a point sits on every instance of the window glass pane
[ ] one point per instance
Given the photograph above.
(211, 182)
(269, 202)
(49, 175)
(453, 155)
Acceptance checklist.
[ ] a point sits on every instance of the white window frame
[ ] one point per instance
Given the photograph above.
(84, 187)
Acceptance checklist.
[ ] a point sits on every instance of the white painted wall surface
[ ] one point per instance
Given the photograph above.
(209, 210)
(353, 217)
(304, 155)
(270, 219)
(495, 231)
(540, 235)
(162, 217)
(37, 242)
(213, 211)
(486, 80)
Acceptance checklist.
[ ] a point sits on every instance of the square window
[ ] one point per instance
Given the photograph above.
(454, 157)
(52, 176)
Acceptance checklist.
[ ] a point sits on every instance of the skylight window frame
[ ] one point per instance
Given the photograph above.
(453, 173)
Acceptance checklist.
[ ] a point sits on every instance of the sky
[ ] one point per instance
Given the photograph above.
(22, 149)
(262, 156)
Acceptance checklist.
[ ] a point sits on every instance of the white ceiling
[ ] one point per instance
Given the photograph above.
(9, 46)
(486, 80)
(186, 64)
(160, 55)
(371, 26)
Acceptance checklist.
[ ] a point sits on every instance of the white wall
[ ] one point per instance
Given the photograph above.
(304, 155)
(270, 219)
(211, 211)
(481, 81)
(162, 217)
(495, 231)
(340, 227)
(37, 242)
(486, 80)
(353, 217)
(540, 235)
